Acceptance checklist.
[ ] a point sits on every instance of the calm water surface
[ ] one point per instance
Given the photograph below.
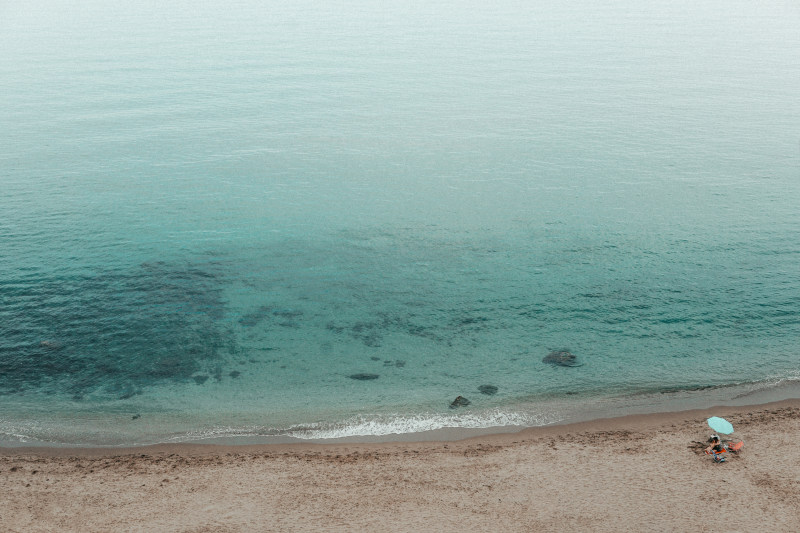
(212, 217)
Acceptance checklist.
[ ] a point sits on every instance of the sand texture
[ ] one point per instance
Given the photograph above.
(637, 473)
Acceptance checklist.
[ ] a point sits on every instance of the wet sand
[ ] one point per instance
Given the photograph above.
(634, 473)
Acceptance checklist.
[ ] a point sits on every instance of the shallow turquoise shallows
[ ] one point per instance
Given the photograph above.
(281, 220)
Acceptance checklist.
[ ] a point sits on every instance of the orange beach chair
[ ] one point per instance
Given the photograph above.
(734, 447)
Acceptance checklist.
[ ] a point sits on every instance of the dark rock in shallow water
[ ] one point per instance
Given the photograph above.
(364, 377)
(375, 358)
(134, 417)
(200, 379)
(561, 358)
(373, 340)
(235, 374)
(488, 389)
(460, 401)
(330, 326)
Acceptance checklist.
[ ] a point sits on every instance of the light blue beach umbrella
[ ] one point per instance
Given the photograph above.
(720, 425)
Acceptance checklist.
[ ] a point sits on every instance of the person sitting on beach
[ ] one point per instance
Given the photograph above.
(715, 447)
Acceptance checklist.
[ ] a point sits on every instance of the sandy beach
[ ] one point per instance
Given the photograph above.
(635, 473)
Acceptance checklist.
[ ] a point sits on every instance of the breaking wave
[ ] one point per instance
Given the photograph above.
(378, 425)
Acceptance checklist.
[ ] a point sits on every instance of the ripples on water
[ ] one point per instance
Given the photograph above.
(211, 218)
(107, 336)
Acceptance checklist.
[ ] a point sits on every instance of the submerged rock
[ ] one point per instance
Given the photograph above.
(235, 374)
(489, 390)
(136, 416)
(460, 401)
(363, 377)
(561, 358)
(200, 379)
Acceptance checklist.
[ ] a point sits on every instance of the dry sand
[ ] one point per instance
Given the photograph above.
(636, 473)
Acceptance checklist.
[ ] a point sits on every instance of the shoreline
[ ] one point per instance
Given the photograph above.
(650, 403)
(602, 475)
(435, 438)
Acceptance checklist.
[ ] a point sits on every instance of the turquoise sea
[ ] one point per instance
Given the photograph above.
(269, 221)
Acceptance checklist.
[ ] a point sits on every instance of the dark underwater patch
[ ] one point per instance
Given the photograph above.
(489, 390)
(256, 317)
(114, 333)
(372, 332)
(470, 320)
(363, 377)
(561, 358)
(287, 318)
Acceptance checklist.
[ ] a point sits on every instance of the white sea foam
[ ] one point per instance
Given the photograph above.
(378, 425)
(401, 424)
(18, 432)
